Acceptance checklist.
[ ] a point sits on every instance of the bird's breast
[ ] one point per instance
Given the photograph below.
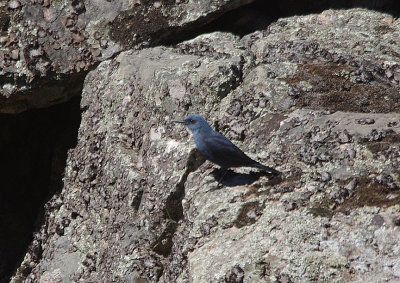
(202, 147)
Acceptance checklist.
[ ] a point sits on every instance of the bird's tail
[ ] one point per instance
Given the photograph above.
(266, 168)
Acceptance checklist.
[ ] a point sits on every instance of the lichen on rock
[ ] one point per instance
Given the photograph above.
(311, 95)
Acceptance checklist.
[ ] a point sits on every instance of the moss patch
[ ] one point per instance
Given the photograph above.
(4, 20)
(343, 88)
(366, 193)
(390, 139)
(383, 29)
(369, 193)
(138, 25)
(249, 214)
(321, 211)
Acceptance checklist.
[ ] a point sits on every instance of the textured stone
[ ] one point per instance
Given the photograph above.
(57, 39)
(140, 204)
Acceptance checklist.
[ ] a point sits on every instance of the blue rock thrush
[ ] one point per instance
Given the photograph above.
(217, 148)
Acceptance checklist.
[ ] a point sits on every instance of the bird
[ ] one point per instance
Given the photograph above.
(217, 148)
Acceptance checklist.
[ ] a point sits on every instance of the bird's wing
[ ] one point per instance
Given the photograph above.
(224, 153)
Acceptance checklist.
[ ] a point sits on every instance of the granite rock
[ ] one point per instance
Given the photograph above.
(140, 205)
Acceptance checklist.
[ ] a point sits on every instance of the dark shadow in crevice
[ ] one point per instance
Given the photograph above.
(173, 206)
(33, 150)
(260, 14)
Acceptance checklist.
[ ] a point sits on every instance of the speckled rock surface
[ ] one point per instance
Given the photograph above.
(316, 97)
(47, 47)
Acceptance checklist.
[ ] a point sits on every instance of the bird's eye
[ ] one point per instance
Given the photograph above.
(191, 121)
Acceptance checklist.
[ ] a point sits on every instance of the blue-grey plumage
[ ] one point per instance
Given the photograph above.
(217, 148)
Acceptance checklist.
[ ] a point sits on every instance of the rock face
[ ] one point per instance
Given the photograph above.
(33, 149)
(315, 96)
(47, 47)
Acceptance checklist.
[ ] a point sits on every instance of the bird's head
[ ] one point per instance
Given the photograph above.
(194, 122)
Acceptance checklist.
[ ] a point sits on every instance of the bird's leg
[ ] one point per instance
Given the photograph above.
(224, 171)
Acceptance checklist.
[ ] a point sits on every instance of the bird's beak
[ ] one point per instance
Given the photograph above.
(179, 121)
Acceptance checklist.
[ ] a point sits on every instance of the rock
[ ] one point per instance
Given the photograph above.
(366, 121)
(139, 204)
(236, 275)
(84, 25)
(14, 4)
